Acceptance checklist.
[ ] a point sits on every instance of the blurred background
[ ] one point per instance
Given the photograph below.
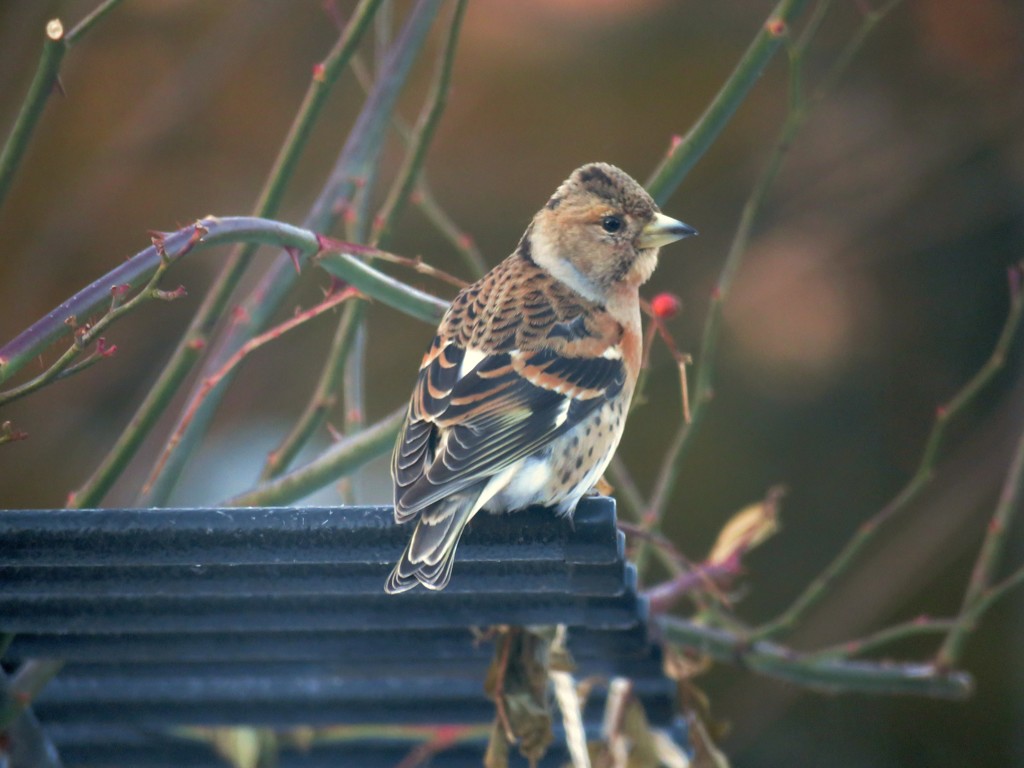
(874, 287)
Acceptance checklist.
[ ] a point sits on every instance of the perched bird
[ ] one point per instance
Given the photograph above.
(522, 397)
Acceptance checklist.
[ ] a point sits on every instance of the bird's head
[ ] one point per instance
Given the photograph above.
(601, 232)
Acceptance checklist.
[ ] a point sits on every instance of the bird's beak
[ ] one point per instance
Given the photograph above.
(664, 230)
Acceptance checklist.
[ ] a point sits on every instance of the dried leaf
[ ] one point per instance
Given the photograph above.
(670, 753)
(517, 683)
(747, 529)
(240, 747)
(497, 748)
(705, 753)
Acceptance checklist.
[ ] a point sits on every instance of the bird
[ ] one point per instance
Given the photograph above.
(522, 395)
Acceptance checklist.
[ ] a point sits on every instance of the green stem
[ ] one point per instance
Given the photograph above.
(423, 133)
(1010, 501)
(43, 83)
(323, 399)
(62, 366)
(823, 674)
(673, 169)
(197, 336)
(97, 14)
(462, 242)
(356, 161)
(884, 637)
(143, 265)
(25, 685)
(334, 368)
(412, 301)
(344, 457)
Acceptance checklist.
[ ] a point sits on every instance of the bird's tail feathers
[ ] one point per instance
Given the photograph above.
(428, 558)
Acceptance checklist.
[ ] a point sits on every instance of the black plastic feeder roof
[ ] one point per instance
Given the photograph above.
(277, 617)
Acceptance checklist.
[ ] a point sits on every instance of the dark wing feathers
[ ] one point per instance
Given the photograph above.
(460, 431)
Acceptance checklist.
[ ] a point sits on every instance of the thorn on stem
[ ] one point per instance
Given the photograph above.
(118, 293)
(294, 253)
(319, 72)
(103, 349)
(159, 239)
(674, 143)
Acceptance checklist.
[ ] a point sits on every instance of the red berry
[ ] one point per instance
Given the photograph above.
(665, 305)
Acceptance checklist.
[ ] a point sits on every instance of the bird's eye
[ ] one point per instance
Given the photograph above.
(611, 224)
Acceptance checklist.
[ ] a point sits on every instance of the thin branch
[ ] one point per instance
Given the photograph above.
(81, 28)
(1011, 498)
(34, 341)
(25, 685)
(356, 160)
(43, 84)
(685, 153)
(343, 457)
(818, 588)
(240, 354)
(922, 625)
(315, 413)
(796, 117)
(423, 133)
(828, 675)
(424, 198)
(85, 334)
(197, 337)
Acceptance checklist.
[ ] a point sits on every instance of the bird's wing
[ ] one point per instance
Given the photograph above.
(461, 429)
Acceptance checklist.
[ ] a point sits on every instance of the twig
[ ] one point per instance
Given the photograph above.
(424, 198)
(343, 457)
(686, 152)
(25, 685)
(462, 242)
(1011, 498)
(83, 332)
(423, 133)
(97, 14)
(253, 344)
(354, 402)
(922, 625)
(46, 78)
(799, 110)
(826, 674)
(218, 231)
(818, 588)
(355, 161)
(323, 399)
(196, 337)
